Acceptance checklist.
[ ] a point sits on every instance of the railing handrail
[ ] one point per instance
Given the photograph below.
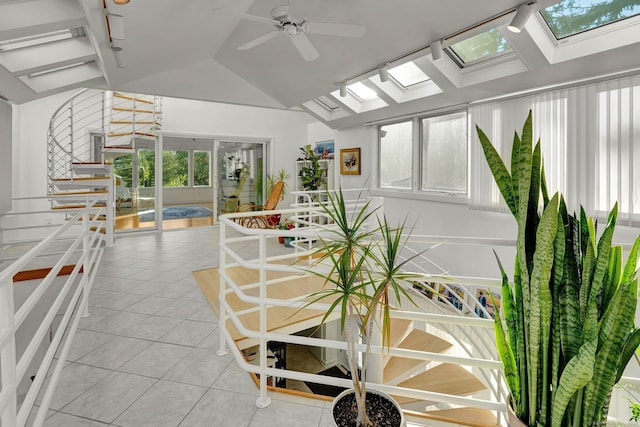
(89, 241)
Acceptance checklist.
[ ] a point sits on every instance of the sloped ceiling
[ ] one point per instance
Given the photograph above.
(188, 49)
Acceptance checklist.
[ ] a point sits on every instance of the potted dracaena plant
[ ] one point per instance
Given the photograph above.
(567, 328)
(363, 279)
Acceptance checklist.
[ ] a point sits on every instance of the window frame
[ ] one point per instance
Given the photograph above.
(416, 191)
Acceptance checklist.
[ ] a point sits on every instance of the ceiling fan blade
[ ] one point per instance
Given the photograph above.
(255, 42)
(304, 46)
(254, 18)
(258, 18)
(330, 29)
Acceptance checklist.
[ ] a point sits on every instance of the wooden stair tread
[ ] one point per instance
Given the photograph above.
(398, 330)
(41, 273)
(77, 206)
(467, 416)
(79, 193)
(92, 163)
(82, 178)
(92, 217)
(100, 230)
(444, 378)
(118, 148)
(136, 110)
(131, 98)
(138, 122)
(114, 134)
(416, 340)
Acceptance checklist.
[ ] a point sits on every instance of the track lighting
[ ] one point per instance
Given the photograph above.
(116, 26)
(343, 89)
(118, 55)
(383, 73)
(523, 13)
(436, 50)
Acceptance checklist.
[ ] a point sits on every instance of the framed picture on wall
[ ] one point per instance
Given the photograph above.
(350, 161)
(325, 149)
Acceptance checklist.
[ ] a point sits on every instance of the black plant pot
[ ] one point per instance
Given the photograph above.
(381, 408)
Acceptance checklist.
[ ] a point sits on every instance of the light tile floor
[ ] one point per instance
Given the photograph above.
(147, 354)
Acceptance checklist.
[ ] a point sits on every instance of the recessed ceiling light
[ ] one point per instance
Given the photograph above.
(121, 2)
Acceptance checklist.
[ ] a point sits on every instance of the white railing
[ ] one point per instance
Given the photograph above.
(74, 292)
(488, 365)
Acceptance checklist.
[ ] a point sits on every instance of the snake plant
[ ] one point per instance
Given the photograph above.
(567, 328)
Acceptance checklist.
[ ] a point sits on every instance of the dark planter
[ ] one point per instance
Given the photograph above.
(379, 406)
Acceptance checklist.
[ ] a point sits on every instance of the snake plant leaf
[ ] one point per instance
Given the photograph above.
(616, 325)
(508, 360)
(576, 375)
(499, 171)
(515, 154)
(570, 325)
(584, 231)
(521, 314)
(629, 348)
(508, 307)
(540, 304)
(543, 186)
(534, 190)
(613, 275)
(588, 267)
(602, 259)
(632, 262)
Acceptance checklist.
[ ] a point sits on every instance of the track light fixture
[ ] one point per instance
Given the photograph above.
(436, 50)
(118, 55)
(383, 73)
(523, 13)
(343, 89)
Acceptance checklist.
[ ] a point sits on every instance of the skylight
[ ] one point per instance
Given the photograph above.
(408, 74)
(480, 47)
(571, 17)
(327, 103)
(362, 92)
(40, 39)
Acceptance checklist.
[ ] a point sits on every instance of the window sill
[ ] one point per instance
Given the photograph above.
(432, 196)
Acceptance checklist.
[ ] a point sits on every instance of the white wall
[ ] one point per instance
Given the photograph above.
(6, 179)
(287, 130)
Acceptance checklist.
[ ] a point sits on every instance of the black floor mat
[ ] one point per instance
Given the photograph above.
(328, 390)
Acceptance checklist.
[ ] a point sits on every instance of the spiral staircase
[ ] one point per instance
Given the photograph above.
(85, 135)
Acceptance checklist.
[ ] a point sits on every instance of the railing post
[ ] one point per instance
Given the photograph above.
(263, 400)
(85, 264)
(222, 351)
(71, 131)
(8, 354)
(110, 211)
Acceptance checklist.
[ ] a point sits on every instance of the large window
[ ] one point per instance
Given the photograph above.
(201, 168)
(444, 153)
(175, 168)
(146, 168)
(396, 143)
(571, 17)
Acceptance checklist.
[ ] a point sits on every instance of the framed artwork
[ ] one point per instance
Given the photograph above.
(455, 295)
(325, 149)
(482, 296)
(350, 161)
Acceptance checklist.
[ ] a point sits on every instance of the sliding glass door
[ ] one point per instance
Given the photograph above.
(241, 175)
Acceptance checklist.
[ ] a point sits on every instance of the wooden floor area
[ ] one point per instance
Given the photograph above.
(281, 285)
(128, 219)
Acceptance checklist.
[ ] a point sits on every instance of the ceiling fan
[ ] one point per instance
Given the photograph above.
(297, 30)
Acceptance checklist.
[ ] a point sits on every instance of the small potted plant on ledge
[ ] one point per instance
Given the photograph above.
(363, 281)
(567, 328)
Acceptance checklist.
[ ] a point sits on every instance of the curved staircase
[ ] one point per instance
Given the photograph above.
(85, 135)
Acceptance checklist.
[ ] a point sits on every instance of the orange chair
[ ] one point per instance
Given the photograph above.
(263, 221)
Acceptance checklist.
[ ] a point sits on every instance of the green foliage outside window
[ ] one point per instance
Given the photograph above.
(147, 168)
(122, 166)
(175, 168)
(571, 17)
(201, 168)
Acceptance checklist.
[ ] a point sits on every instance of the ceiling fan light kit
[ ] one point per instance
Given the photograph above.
(297, 30)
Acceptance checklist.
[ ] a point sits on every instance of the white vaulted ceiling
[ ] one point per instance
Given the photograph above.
(187, 49)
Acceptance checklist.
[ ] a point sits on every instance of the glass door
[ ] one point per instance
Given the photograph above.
(240, 175)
